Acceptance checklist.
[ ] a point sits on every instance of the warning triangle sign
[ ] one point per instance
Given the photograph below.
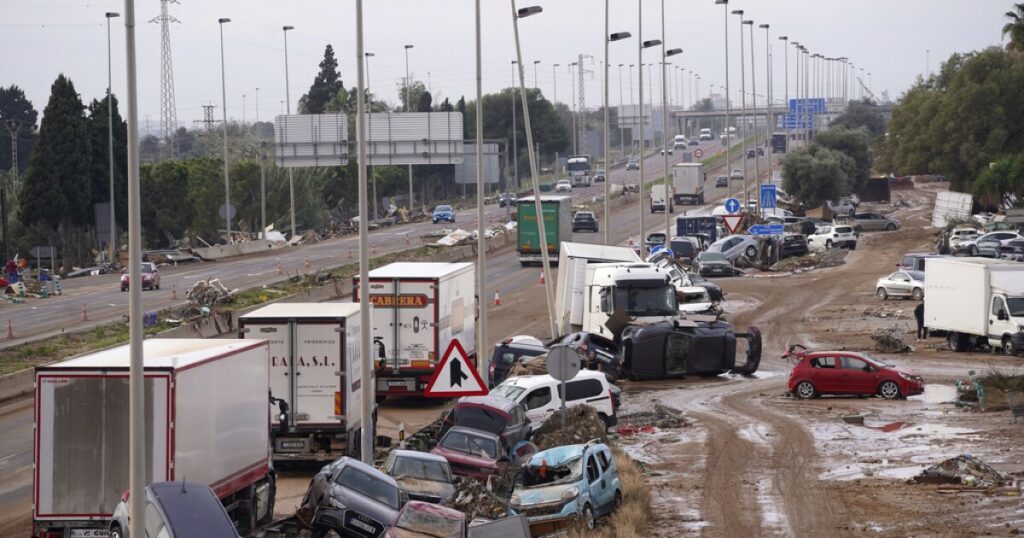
(733, 222)
(455, 376)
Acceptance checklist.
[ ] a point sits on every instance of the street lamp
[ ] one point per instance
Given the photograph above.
(224, 110)
(665, 54)
(535, 62)
(110, 146)
(408, 84)
(554, 86)
(743, 101)
(608, 38)
(546, 267)
(288, 109)
(481, 276)
(640, 62)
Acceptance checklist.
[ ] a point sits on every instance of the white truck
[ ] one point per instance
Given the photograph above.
(688, 182)
(679, 142)
(570, 286)
(418, 309)
(663, 198)
(979, 302)
(705, 134)
(579, 170)
(206, 421)
(315, 374)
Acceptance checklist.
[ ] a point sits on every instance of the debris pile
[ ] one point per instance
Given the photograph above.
(473, 498)
(581, 425)
(994, 391)
(890, 340)
(210, 292)
(829, 258)
(965, 470)
(882, 312)
(661, 417)
(530, 366)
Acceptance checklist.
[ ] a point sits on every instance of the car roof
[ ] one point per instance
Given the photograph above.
(192, 509)
(816, 354)
(494, 402)
(530, 381)
(417, 455)
(346, 461)
(559, 455)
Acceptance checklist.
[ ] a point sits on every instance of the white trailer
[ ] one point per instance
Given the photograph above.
(977, 301)
(950, 205)
(688, 182)
(570, 285)
(315, 371)
(207, 420)
(418, 309)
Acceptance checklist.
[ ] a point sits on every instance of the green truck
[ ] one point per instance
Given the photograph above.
(557, 225)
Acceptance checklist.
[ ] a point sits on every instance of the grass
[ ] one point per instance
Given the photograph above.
(634, 515)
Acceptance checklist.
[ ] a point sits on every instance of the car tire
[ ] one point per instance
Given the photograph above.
(973, 251)
(124, 288)
(889, 390)
(617, 502)
(1007, 347)
(751, 252)
(917, 294)
(891, 227)
(604, 418)
(881, 293)
(587, 517)
(805, 390)
(435, 221)
(955, 342)
(828, 243)
(116, 532)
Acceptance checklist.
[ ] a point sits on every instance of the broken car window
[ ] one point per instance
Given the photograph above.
(545, 475)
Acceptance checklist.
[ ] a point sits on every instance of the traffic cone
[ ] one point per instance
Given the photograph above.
(541, 277)
(10, 329)
(85, 313)
(497, 298)
(305, 263)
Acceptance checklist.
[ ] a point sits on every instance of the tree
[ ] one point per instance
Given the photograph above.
(57, 187)
(15, 108)
(425, 102)
(414, 91)
(815, 174)
(446, 106)
(159, 184)
(862, 113)
(325, 86)
(704, 105)
(100, 162)
(1002, 183)
(853, 144)
(1014, 28)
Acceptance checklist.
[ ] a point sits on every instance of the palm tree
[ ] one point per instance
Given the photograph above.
(1015, 28)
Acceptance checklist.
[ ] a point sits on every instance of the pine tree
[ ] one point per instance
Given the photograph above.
(100, 165)
(325, 86)
(14, 106)
(57, 187)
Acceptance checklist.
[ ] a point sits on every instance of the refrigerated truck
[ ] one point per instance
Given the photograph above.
(557, 226)
(207, 421)
(688, 183)
(418, 309)
(315, 371)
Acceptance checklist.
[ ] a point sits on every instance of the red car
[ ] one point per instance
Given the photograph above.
(844, 372)
(150, 277)
(472, 452)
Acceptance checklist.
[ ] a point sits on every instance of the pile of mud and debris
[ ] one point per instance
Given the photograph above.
(891, 340)
(661, 417)
(816, 260)
(477, 500)
(992, 391)
(966, 471)
(582, 424)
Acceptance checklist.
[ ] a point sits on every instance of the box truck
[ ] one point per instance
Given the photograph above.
(570, 285)
(688, 182)
(314, 377)
(557, 225)
(579, 170)
(418, 309)
(979, 302)
(207, 420)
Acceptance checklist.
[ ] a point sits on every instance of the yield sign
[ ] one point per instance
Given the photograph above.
(455, 376)
(733, 222)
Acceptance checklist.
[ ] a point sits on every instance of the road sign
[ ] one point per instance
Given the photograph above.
(767, 229)
(733, 222)
(732, 205)
(455, 376)
(768, 196)
(229, 209)
(563, 363)
(698, 153)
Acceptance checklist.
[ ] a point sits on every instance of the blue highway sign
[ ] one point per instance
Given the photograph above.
(768, 196)
(766, 229)
(732, 205)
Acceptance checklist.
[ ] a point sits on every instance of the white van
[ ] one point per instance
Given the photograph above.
(540, 395)
(705, 134)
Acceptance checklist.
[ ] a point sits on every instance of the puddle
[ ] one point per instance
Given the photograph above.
(936, 394)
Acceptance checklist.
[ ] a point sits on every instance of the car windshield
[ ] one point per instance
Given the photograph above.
(434, 471)
(1016, 306)
(682, 248)
(481, 418)
(712, 257)
(577, 166)
(659, 301)
(429, 524)
(443, 208)
(369, 486)
(147, 268)
(916, 275)
(545, 475)
(470, 444)
(509, 392)
(843, 230)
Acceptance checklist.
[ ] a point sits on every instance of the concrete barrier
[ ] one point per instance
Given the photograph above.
(220, 252)
(16, 385)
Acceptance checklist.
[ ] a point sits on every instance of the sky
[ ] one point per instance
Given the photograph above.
(888, 38)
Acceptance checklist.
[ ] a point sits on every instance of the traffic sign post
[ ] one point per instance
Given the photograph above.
(563, 364)
(698, 153)
(768, 197)
(733, 222)
(732, 205)
(767, 229)
(455, 376)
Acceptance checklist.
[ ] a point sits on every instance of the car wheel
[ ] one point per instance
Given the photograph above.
(435, 221)
(891, 227)
(882, 294)
(587, 517)
(604, 418)
(751, 251)
(618, 500)
(1008, 349)
(974, 250)
(955, 342)
(828, 243)
(917, 294)
(889, 390)
(124, 288)
(805, 390)
(116, 532)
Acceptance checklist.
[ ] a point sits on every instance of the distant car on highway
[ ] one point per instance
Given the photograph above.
(736, 173)
(693, 142)
(632, 164)
(844, 372)
(584, 220)
(901, 284)
(150, 277)
(599, 176)
(873, 222)
(666, 148)
(443, 212)
(750, 153)
(826, 237)
(507, 199)
(563, 185)
(722, 181)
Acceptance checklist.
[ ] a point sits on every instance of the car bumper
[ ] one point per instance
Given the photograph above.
(555, 517)
(912, 388)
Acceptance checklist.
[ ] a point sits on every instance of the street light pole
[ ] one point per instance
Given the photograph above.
(753, 97)
(515, 148)
(622, 133)
(640, 85)
(535, 62)
(481, 243)
(632, 105)
(554, 86)
(224, 103)
(365, 349)
(408, 88)
(768, 96)
(743, 116)
(288, 100)
(110, 146)
(665, 54)
(785, 71)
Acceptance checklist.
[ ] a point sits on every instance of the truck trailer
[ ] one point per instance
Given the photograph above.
(570, 285)
(979, 302)
(418, 309)
(207, 421)
(688, 183)
(315, 374)
(557, 226)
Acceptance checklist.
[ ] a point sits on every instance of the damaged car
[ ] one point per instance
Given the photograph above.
(421, 475)
(471, 452)
(566, 485)
(684, 347)
(351, 498)
(418, 519)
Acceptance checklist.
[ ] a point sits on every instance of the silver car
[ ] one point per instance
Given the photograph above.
(901, 284)
(735, 246)
(873, 222)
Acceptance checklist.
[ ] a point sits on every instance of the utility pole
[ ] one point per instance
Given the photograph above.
(168, 111)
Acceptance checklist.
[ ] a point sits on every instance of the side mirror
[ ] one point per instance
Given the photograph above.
(1002, 316)
(867, 368)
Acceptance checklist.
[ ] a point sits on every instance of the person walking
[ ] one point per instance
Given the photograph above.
(922, 331)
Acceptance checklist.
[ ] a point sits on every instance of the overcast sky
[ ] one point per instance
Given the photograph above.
(41, 38)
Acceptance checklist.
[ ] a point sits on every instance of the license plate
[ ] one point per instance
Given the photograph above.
(399, 383)
(362, 526)
(89, 533)
(293, 444)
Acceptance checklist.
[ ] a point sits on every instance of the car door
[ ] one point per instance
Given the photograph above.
(518, 428)
(825, 374)
(856, 377)
(539, 404)
(596, 482)
(898, 284)
(999, 322)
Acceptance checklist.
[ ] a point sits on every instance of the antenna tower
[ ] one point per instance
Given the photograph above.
(581, 72)
(168, 111)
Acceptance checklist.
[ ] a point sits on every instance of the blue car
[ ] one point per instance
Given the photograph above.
(566, 484)
(444, 212)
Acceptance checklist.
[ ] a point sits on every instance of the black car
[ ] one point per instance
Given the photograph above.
(177, 510)
(509, 351)
(693, 142)
(506, 199)
(599, 353)
(714, 290)
(668, 350)
(584, 220)
(750, 153)
(684, 249)
(713, 264)
(794, 245)
(721, 181)
(760, 152)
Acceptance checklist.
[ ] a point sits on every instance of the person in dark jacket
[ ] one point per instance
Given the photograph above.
(922, 331)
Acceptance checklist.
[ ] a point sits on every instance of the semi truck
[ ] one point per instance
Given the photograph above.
(557, 226)
(979, 302)
(315, 374)
(207, 421)
(579, 170)
(779, 142)
(418, 309)
(688, 182)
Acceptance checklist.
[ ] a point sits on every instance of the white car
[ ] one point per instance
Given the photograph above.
(736, 173)
(563, 185)
(694, 300)
(962, 239)
(901, 284)
(826, 237)
(540, 395)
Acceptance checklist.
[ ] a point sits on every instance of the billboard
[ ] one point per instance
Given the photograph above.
(414, 138)
(307, 140)
(465, 172)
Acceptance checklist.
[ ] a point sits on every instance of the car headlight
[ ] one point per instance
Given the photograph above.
(570, 493)
(1020, 328)
(514, 502)
(909, 377)
(336, 503)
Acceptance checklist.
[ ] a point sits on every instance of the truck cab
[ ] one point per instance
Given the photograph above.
(638, 290)
(705, 134)
(579, 170)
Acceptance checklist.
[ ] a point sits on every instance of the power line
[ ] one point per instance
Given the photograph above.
(168, 111)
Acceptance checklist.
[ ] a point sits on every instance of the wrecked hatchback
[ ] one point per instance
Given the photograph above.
(351, 499)
(418, 519)
(567, 484)
(421, 475)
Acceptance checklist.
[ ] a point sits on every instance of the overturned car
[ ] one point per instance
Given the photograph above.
(687, 346)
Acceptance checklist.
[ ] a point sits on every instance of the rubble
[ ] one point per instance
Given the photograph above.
(661, 417)
(530, 366)
(830, 258)
(964, 469)
(476, 500)
(210, 292)
(890, 340)
(581, 425)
